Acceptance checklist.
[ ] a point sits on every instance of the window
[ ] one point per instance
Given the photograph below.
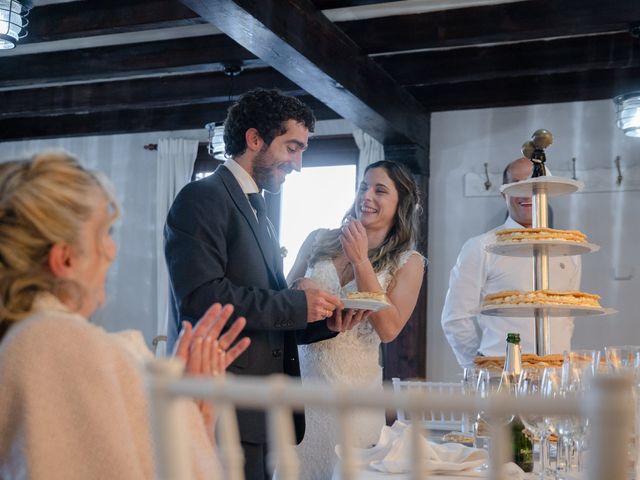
(317, 197)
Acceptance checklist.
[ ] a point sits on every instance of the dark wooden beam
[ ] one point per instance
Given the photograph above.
(186, 55)
(331, 150)
(411, 155)
(508, 22)
(300, 42)
(528, 90)
(154, 92)
(607, 51)
(63, 21)
(128, 121)
(328, 4)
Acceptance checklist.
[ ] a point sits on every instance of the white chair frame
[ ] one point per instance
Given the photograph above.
(433, 420)
(609, 407)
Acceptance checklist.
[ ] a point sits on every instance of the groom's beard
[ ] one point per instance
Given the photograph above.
(265, 171)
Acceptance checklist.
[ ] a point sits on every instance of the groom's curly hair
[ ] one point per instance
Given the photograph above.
(267, 111)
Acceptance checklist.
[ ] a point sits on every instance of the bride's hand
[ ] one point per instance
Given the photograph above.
(354, 241)
(345, 320)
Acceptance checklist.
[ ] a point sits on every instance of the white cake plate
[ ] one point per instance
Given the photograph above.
(554, 186)
(364, 304)
(553, 248)
(529, 310)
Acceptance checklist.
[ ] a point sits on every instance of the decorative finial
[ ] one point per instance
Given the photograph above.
(534, 151)
(542, 138)
(527, 149)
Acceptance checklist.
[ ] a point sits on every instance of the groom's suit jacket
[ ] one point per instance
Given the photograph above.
(215, 253)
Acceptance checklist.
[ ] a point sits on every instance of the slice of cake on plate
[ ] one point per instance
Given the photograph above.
(377, 296)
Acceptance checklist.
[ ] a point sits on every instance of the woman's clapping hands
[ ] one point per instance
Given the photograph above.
(205, 352)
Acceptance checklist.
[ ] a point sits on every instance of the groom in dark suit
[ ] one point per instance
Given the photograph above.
(220, 247)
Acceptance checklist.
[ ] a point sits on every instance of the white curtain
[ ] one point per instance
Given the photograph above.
(174, 168)
(370, 151)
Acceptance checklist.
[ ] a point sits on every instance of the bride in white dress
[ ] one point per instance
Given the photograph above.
(372, 252)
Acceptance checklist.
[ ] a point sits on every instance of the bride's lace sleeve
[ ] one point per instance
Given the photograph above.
(406, 255)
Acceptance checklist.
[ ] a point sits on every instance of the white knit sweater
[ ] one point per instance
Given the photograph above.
(73, 404)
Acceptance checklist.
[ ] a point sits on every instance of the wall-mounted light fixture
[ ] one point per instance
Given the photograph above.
(628, 113)
(13, 22)
(215, 147)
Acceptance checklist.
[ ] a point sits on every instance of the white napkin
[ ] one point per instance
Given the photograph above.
(392, 454)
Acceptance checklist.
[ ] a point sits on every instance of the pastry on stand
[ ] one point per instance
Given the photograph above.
(541, 242)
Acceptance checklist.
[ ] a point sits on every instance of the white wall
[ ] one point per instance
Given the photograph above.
(131, 285)
(462, 141)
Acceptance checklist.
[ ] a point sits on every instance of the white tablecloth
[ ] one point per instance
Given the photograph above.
(390, 459)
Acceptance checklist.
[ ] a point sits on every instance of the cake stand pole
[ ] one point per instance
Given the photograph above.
(541, 268)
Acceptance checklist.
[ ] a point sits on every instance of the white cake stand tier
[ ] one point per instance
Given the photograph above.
(553, 248)
(557, 310)
(551, 186)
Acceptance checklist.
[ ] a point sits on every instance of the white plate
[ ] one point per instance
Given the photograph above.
(364, 304)
(553, 248)
(557, 310)
(554, 186)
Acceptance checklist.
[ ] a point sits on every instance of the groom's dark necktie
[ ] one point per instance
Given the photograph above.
(257, 202)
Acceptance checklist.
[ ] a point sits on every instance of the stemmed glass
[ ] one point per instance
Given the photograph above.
(551, 387)
(579, 368)
(490, 383)
(623, 359)
(572, 429)
(469, 385)
(587, 361)
(530, 384)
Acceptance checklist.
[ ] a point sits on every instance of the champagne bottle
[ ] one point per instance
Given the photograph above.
(522, 446)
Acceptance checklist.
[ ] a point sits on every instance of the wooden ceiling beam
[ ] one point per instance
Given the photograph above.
(609, 51)
(63, 21)
(300, 42)
(329, 4)
(508, 22)
(128, 121)
(187, 55)
(529, 90)
(156, 92)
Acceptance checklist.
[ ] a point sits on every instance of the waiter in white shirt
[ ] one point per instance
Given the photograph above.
(478, 272)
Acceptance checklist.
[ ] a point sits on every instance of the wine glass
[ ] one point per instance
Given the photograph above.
(623, 359)
(490, 383)
(530, 385)
(588, 360)
(572, 429)
(551, 387)
(469, 385)
(580, 367)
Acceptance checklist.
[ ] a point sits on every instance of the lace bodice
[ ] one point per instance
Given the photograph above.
(362, 336)
(350, 358)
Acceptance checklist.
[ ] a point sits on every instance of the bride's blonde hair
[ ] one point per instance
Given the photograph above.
(402, 235)
(43, 201)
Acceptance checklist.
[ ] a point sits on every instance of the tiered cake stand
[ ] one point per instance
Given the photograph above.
(539, 189)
